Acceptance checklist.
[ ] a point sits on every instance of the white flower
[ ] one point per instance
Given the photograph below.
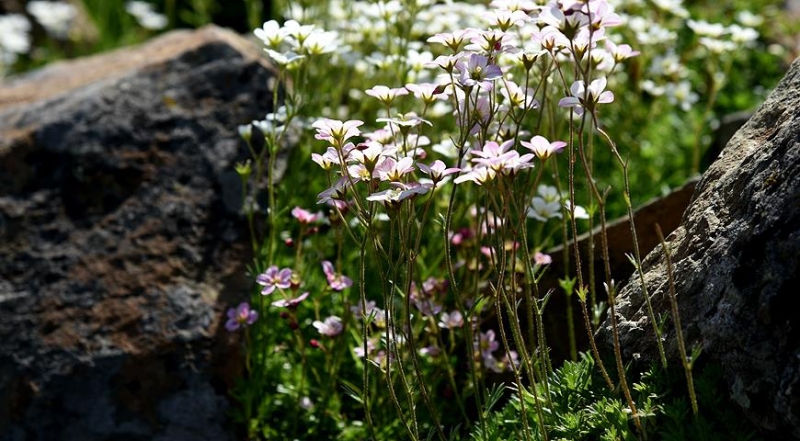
(284, 59)
(147, 17)
(672, 6)
(320, 42)
(681, 94)
(717, 46)
(542, 210)
(271, 34)
(705, 28)
(747, 18)
(14, 37)
(548, 193)
(55, 18)
(743, 36)
(587, 97)
(580, 212)
(299, 33)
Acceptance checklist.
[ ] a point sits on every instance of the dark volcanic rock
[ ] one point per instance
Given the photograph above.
(737, 268)
(117, 246)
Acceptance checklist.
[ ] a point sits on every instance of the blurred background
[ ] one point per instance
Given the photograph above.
(35, 32)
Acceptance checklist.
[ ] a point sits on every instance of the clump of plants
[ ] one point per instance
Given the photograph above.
(398, 263)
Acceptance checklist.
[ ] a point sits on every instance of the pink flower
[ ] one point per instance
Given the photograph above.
(304, 216)
(542, 259)
(337, 282)
(274, 278)
(240, 316)
(331, 327)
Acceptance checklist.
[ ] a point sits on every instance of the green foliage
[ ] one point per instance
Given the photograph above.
(584, 409)
(473, 250)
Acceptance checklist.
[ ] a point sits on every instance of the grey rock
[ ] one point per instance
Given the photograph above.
(121, 243)
(736, 256)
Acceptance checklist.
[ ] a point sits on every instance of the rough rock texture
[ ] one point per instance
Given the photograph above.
(737, 268)
(120, 239)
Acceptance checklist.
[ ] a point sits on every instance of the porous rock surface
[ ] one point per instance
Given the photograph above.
(121, 243)
(736, 258)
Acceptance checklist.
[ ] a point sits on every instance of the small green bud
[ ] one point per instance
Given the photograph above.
(244, 169)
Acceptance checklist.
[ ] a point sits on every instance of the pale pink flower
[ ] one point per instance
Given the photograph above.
(519, 97)
(327, 159)
(399, 192)
(452, 40)
(331, 327)
(551, 39)
(438, 170)
(336, 132)
(427, 92)
(451, 320)
(543, 148)
(368, 153)
(504, 18)
(337, 282)
(478, 175)
(359, 350)
(446, 62)
(542, 259)
(385, 94)
(337, 192)
(489, 41)
(602, 14)
(620, 52)
(290, 303)
(392, 170)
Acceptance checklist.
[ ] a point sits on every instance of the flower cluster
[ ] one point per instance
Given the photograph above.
(289, 44)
